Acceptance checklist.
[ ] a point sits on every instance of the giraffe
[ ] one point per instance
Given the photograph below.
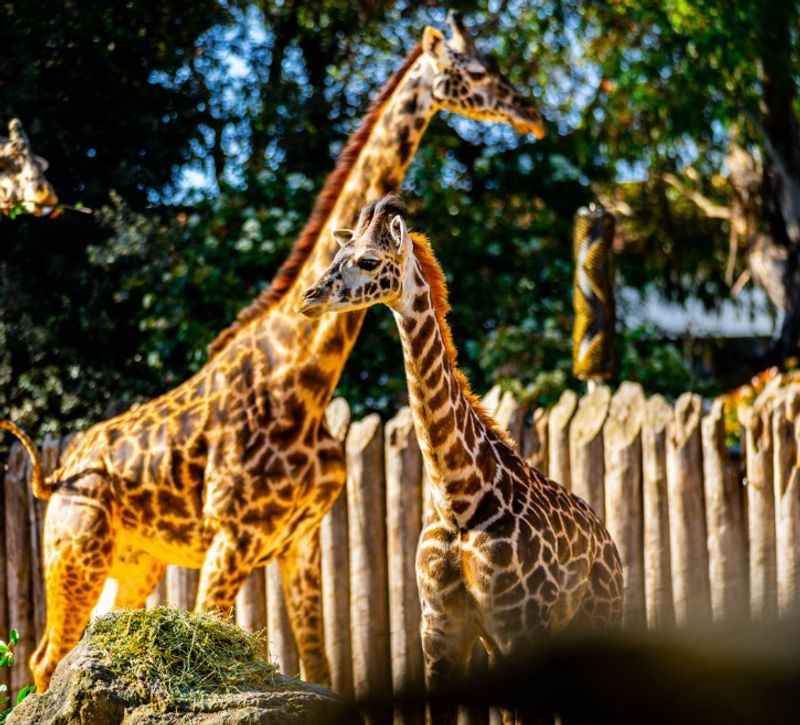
(235, 466)
(506, 555)
(22, 180)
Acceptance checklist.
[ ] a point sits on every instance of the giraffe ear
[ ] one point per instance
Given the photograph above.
(343, 237)
(433, 42)
(397, 228)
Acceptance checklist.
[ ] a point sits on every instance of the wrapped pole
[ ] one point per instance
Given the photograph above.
(593, 295)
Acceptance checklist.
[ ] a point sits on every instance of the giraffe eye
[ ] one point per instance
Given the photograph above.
(368, 264)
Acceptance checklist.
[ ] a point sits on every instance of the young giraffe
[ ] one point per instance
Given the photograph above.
(506, 554)
(235, 466)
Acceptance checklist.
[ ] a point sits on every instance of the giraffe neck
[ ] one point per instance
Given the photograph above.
(379, 169)
(459, 448)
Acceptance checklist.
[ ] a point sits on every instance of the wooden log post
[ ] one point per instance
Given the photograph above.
(587, 469)
(282, 646)
(491, 401)
(369, 606)
(623, 493)
(657, 570)
(182, 587)
(158, 597)
(510, 416)
(727, 563)
(535, 440)
(558, 466)
(688, 552)
(336, 570)
(51, 453)
(760, 510)
(403, 462)
(251, 602)
(19, 587)
(787, 505)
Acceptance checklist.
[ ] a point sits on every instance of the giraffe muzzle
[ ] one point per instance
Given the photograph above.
(313, 303)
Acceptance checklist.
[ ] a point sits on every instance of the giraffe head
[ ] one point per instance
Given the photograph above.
(22, 179)
(470, 83)
(369, 267)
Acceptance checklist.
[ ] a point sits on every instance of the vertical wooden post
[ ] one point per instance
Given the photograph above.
(158, 597)
(558, 467)
(4, 623)
(623, 493)
(336, 570)
(491, 401)
(586, 448)
(251, 602)
(282, 647)
(689, 555)
(726, 548)
(787, 516)
(403, 523)
(510, 416)
(51, 451)
(760, 511)
(369, 606)
(18, 564)
(534, 441)
(181, 587)
(657, 569)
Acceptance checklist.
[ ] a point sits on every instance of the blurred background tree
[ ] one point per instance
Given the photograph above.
(201, 134)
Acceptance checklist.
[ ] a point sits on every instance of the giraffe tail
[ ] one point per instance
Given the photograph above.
(41, 489)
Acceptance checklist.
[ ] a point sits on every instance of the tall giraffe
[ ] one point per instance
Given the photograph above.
(235, 466)
(505, 555)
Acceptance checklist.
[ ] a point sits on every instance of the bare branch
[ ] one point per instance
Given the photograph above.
(709, 208)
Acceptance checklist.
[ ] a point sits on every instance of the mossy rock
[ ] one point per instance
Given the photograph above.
(166, 666)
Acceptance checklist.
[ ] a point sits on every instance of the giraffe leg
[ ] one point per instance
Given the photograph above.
(223, 572)
(78, 550)
(446, 645)
(137, 574)
(301, 575)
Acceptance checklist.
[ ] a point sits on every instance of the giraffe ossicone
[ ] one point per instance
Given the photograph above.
(506, 555)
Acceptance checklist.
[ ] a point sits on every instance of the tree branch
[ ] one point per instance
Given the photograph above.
(709, 208)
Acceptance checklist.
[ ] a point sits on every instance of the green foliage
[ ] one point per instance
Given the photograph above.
(6, 660)
(256, 99)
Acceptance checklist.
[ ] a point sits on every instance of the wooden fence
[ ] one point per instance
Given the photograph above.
(703, 534)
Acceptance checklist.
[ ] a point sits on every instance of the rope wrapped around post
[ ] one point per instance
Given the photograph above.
(593, 295)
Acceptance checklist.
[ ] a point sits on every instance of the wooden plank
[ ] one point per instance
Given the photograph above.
(182, 587)
(558, 467)
(336, 570)
(535, 440)
(251, 602)
(760, 493)
(19, 586)
(623, 493)
(403, 465)
(369, 606)
(5, 626)
(282, 645)
(158, 597)
(587, 469)
(688, 552)
(657, 570)
(510, 415)
(787, 506)
(727, 563)
(51, 453)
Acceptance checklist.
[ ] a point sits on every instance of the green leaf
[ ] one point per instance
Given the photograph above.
(24, 692)
(13, 637)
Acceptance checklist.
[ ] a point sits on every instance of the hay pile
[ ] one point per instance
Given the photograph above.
(171, 654)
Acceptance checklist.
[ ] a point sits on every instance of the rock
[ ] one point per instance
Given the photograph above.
(83, 690)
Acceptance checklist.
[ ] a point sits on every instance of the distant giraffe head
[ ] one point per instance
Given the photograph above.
(470, 83)
(369, 268)
(22, 180)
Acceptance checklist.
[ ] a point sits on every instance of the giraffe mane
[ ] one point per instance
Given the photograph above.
(323, 207)
(434, 276)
